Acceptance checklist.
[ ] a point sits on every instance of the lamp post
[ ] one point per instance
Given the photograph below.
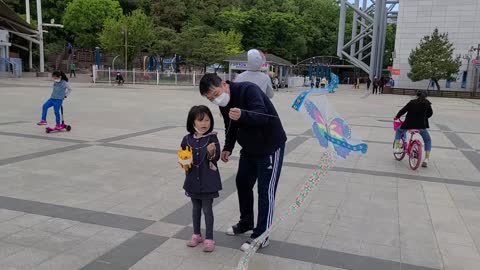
(27, 13)
(468, 57)
(475, 80)
(125, 31)
(40, 35)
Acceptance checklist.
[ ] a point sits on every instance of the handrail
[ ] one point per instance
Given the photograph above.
(434, 93)
(14, 71)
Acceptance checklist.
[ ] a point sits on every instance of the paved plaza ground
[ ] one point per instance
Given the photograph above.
(108, 194)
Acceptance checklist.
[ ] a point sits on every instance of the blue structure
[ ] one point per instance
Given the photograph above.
(152, 63)
(97, 56)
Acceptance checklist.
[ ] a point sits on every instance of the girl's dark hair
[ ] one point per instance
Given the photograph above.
(198, 113)
(60, 74)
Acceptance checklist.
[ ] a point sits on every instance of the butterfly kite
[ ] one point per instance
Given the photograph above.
(333, 133)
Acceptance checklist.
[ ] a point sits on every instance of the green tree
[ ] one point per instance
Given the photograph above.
(232, 41)
(433, 59)
(85, 18)
(288, 33)
(164, 43)
(130, 5)
(254, 25)
(139, 31)
(169, 13)
(389, 45)
(321, 26)
(212, 50)
(189, 42)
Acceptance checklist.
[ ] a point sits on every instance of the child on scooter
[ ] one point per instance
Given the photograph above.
(61, 89)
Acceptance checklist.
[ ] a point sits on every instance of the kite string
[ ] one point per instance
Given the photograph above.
(327, 161)
(254, 112)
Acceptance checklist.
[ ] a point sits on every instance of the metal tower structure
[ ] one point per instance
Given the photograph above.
(366, 46)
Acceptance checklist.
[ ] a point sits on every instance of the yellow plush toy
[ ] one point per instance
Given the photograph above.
(185, 158)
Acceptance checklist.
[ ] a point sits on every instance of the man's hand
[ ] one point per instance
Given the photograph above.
(225, 156)
(235, 114)
(211, 149)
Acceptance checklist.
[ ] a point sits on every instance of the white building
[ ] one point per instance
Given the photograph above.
(417, 18)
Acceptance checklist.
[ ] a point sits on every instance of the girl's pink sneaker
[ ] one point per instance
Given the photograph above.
(195, 240)
(42, 123)
(208, 245)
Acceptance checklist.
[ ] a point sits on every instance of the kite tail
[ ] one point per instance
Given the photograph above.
(327, 161)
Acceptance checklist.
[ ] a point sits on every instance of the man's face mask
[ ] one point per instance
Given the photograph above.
(222, 100)
(218, 96)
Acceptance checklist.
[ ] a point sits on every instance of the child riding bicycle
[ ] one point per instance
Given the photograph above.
(418, 111)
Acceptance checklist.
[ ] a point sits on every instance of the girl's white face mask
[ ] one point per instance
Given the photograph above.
(57, 80)
(199, 132)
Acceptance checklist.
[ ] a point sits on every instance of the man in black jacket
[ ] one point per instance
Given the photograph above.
(252, 121)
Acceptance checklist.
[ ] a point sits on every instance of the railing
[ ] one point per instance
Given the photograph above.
(10, 70)
(149, 77)
(433, 93)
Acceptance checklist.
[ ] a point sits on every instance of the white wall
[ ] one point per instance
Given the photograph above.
(417, 18)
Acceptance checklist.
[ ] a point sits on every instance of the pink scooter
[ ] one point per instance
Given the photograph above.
(63, 126)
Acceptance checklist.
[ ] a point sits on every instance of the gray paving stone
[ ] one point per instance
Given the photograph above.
(199, 266)
(8, 229)
(155, 261)
(422, 256)
(62, 262)
(90, 249)
(54, 225)
(27, 258)
(84, 230)
(27, 237)
(136, 170)
(7, 249)
(59, 242)
(8, 214)
(113, 235)
(163, 229)
(128, 253)
(28, 220)
(123, 222)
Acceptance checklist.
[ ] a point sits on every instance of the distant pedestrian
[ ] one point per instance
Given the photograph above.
(254, 74)
(375, 86)
(381, 84)
(72, 70)
(368, 83)
(119, 79)
(276, 83)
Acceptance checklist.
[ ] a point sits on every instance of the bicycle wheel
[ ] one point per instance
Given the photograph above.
(415, 157)
(399, 156)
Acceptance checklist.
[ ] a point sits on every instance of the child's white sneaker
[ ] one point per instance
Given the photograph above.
(397, 150)
(425, 163)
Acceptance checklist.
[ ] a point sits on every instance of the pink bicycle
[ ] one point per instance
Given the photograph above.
(412, 148)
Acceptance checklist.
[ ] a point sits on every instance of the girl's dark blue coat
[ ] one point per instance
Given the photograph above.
(203, 178)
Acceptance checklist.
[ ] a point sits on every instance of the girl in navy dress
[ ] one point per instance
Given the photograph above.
(202, 180)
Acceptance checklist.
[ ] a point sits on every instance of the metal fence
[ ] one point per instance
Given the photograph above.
(149, 77)
(433, 93)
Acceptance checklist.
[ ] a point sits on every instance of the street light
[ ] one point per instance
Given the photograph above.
(40, 33)
(472, 49)
(125, 32)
